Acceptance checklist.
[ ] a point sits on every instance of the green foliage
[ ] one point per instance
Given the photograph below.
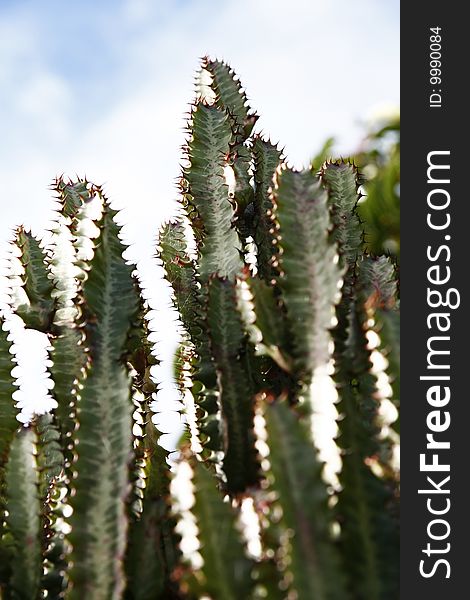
(379, 160)
(280, 285)
(323, 155)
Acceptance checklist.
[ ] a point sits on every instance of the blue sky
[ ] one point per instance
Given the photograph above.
(101, 87)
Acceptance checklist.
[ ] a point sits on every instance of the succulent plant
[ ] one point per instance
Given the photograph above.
(272, 286)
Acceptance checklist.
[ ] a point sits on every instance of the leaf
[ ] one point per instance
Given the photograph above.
(104, 438)
(310, 563)
(23, 521)
(226, 572)
(380, 210)
(236, 391)
(38, 309)
(309, 274)
(208, 193)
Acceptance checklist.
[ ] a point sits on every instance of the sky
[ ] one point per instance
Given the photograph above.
(101, 88)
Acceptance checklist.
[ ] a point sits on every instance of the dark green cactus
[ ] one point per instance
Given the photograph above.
(277, 288)
(23, 522)
(310, 287)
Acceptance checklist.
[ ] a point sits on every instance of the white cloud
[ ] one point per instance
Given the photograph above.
(44, 99)
(311, 68)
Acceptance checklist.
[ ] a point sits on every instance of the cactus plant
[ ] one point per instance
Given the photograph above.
(272, 285)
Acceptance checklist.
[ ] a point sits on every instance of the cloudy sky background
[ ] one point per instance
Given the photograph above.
(101, 88)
